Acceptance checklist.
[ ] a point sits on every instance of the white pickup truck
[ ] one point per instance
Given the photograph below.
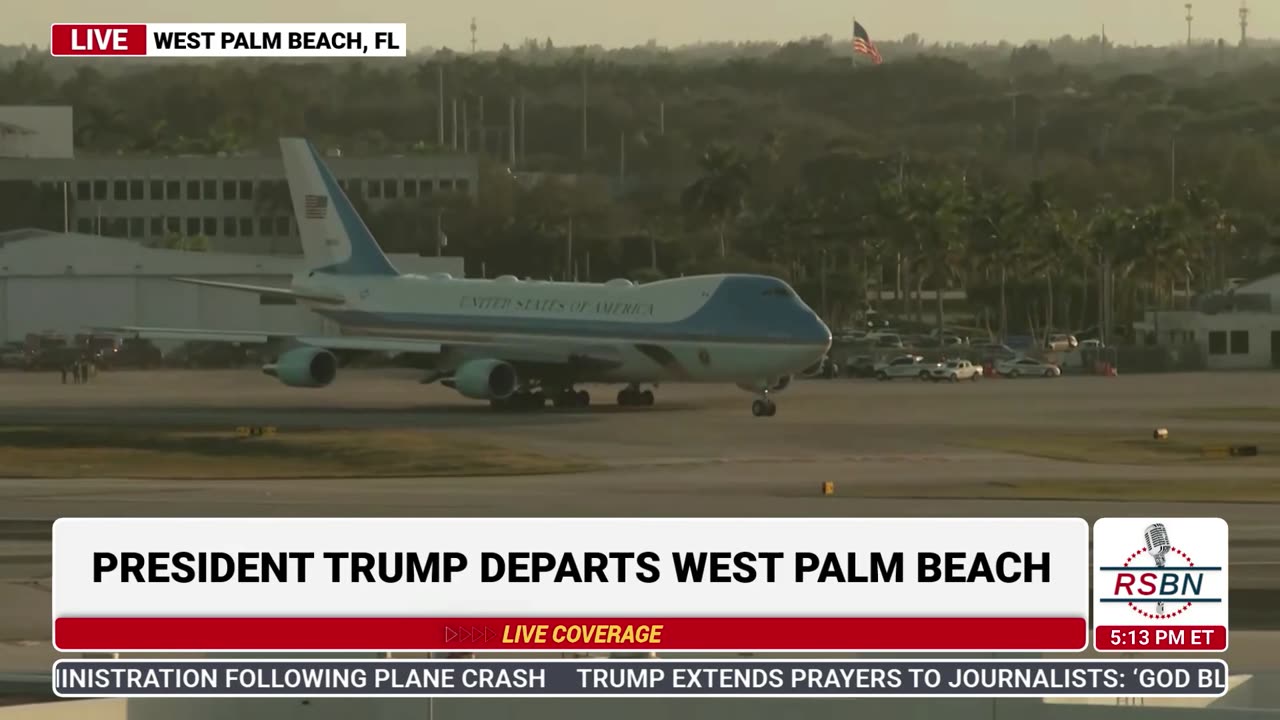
(905, 366)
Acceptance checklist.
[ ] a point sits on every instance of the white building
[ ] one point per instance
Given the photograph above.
(65, 283)
(1236, 330)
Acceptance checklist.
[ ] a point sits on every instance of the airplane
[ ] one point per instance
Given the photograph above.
(518, 343)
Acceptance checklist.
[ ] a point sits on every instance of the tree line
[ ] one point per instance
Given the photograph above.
(1022, 180)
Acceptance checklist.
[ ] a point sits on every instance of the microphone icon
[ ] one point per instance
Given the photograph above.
(1157, 539)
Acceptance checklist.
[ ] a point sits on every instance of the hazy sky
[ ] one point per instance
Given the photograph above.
(673, 22)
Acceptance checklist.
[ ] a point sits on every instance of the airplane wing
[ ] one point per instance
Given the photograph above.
(267, 290)
(545, 356)
(251, 337)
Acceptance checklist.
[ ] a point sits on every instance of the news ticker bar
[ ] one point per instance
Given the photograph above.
(639, 678)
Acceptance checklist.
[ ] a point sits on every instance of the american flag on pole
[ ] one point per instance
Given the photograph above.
(862, 43)
(315, 207)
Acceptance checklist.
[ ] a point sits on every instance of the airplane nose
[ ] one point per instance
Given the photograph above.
(817, 332)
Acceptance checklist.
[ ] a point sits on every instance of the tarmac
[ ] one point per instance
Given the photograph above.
(698, 452)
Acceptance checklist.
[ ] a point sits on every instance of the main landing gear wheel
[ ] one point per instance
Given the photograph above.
(763, 408)
(569, 398)
(634, 397)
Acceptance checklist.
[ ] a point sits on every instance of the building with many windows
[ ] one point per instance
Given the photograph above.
(237, 203)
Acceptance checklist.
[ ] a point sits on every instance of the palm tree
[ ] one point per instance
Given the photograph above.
(934, 214)
(997, 219)
(719, 194)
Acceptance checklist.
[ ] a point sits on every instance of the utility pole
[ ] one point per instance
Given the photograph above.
(622, 158)
(1035, 148)
(466, 128)
(662, 117)
(455, 124)
(584, 108)
(1013, 125)
(511, 133)
(1244, 23)
(522, 156)
(440, 105)
(473, 36)
(568, 252)
(1173, 168)
(1188, 7)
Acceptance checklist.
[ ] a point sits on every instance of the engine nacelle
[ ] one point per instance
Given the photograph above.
(486, 380)
(304, 367)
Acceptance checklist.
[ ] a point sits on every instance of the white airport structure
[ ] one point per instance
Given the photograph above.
(1237, 330)
(238, 203)
(67, 282)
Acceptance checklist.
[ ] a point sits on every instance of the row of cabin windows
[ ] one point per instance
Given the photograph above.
(98, 190)
(137, 227)
(1235, 342)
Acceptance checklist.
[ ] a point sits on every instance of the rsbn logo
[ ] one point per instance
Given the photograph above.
(1159, 580)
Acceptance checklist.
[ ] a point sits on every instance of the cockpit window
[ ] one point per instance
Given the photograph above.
(779, 291)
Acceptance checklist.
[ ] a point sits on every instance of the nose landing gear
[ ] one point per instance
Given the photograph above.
(763, 406)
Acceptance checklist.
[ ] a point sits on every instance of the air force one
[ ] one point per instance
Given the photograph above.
(519, 343)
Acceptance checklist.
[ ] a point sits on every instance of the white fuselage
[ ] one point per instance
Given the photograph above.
(690, 329)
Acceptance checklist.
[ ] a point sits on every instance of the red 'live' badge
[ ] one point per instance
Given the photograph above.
(97, 39)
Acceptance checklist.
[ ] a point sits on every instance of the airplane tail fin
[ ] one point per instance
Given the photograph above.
(334, 238)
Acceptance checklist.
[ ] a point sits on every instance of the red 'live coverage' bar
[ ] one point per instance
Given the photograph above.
(97, 39)
(445, 634)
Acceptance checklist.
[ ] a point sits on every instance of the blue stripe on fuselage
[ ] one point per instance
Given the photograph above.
(366, 257)
(738, 311)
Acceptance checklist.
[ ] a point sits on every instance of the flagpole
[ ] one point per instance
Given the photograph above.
(853, 36)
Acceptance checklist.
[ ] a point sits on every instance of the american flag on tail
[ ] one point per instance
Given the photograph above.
(315, 207)
(862, 43)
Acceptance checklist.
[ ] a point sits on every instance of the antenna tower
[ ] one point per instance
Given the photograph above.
(1244, 22)
(1189, 18)
(473, 36)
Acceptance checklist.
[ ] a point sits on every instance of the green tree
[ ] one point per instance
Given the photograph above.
(718, 195)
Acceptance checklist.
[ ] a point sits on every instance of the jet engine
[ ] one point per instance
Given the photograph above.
(304, 367)
(486, 380)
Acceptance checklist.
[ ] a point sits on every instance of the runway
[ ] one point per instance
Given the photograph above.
(697, 453)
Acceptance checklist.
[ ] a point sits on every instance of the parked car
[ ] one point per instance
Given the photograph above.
(45, 351)
(1027, 367)
(955, 371)
(13, 355)
(886, 340)
(1060, 342)
(1091, 344)
(133, 352)
(905, 366)
(994, 351)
